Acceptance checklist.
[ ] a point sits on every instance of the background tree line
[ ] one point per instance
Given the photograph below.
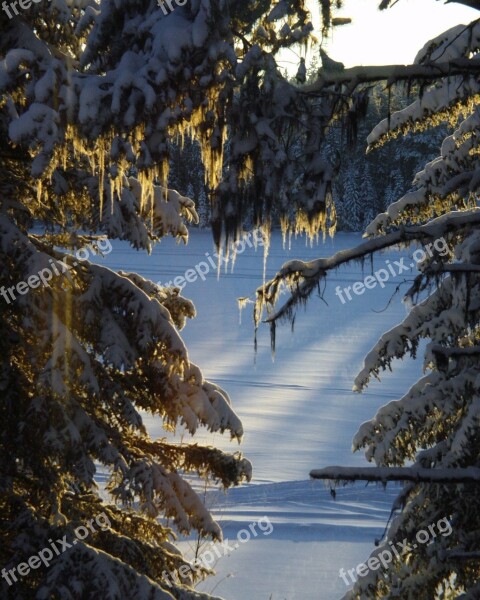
(366, 183)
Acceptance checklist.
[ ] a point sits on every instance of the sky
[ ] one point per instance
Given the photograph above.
(392, 36)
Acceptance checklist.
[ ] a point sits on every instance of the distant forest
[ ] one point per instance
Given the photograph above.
(365, 185)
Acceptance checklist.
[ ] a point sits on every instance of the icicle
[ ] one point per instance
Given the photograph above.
(242, 304)
(39, 191)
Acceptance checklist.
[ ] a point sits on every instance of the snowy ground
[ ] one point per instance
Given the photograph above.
(298, 413)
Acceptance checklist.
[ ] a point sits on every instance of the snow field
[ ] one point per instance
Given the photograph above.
(298, 413)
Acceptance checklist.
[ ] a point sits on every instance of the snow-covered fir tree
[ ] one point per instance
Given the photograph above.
(352, 196)
(429, 437)
(382, 176)
(373, 199)
(203, 209)
(92, 97)
(395, 185)
(187, 174)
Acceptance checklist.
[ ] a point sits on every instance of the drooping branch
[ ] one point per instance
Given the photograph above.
(384, 474)
(392, 74)
(302, 277)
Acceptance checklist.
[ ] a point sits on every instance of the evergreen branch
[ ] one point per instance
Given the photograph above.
(303, 276)
(392, 74)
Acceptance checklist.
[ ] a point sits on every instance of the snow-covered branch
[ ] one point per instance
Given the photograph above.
(302, 277)
(392, 74)
(416, 474)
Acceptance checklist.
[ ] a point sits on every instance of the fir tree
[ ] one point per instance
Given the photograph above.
(351, 199)
(92, 97)
(429, 437)
(203, 209)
